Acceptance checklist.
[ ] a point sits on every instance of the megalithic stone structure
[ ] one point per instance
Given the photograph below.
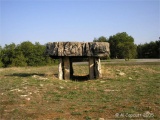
(66, 51)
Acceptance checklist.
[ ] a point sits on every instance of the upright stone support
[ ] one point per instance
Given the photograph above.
(66, 68)
(91, 67)
(60, 69)
(98, 72)
(71, 68)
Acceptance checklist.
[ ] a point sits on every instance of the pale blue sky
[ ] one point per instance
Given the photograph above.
(77, 20)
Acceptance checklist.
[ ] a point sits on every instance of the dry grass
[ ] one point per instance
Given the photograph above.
(36, 93)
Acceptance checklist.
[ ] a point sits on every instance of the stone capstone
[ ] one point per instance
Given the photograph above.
(94, 49)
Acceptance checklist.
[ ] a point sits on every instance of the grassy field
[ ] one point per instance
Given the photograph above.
(125, 91)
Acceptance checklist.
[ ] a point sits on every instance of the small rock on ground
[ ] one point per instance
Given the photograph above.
(121, 74)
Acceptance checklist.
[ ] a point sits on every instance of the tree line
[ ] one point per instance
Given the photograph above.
(24, 54)
(149, 50)
(121, 47)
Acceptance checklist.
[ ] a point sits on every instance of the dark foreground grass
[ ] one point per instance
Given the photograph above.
(36, 93)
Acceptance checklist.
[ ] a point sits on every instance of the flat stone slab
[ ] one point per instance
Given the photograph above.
(84, 49)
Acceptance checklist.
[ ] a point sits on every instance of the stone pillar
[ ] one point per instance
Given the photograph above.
(60, 69)
(66, 68)
(91, 68)
(98, 72)
(71, 68)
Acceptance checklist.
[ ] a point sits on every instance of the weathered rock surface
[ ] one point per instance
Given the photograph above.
(95, 49)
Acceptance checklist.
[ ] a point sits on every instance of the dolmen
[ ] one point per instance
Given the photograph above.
(67, 51)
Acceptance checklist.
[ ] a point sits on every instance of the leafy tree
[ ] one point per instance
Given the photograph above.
(1, 54)
(8, 54)
(27, 49)
(100, 39)
(24, 54)
(149, 50)
(12, 56)
(40, 55)
(18, 59)
(128, 50)
(122, 46)
(35, 54)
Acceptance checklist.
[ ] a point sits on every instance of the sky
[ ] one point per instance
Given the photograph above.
(77, 20)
